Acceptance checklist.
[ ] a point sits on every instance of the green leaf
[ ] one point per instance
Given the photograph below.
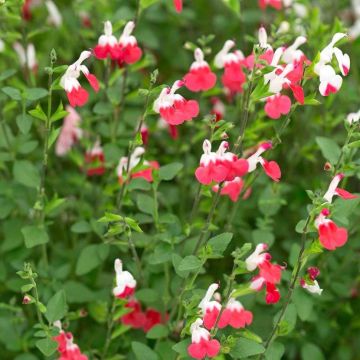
(157, 332)
(81, 227)
(263, 236)
(181, 347)
(147, 295)
(311, 351)
(24, 122)
(234, 5)
(270, 201)
(219, 243)
(145, 203)
(304, 304)
(289, 321)
(47, 346)
(190, 263)
(110, 217)
(35, 94)
(6, 74)
(59, 113)
(329, 148)
(133, 224)
(275, 351)
(146, 3)
(244, 348)
(143, 352)
(13, 93)
(91, 257)
(34, 235)
(56, 307)
(38, 113)
(26, 288)
(168, 172)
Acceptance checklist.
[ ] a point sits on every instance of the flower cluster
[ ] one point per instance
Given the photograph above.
(269, 273)
(125, 289)
(67, 348)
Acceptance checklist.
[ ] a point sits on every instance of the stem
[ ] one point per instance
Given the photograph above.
(36, 296)
(156, 212)
(110, 325)
(135, 255)
(195, 204)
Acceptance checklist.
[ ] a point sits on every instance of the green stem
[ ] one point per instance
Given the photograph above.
(110, 325)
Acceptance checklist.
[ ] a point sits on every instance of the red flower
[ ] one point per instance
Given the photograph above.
(178, 5)
(277, 105)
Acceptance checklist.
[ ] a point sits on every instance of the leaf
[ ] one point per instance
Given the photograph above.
(168, 172)
(81, 227)
(53, 136)
(38, 113)
(157, 332)
(234, 5)
(145, 203)
(289, 321)
(91, 257)
(181, 347)
(245, 348)
(26, 288)
(311, 351)
(13, 93)
(304, 304)
(35, 94)
(270, 201)
(147, 295)
(24, 122)
(34, 235)
(133, 224)
(59, 113)
(143, 352)
(6, 74)
(263, 236)
(275, 351)
(47, 346)
(190, 263)
(329, 148)
(219, 243)
(146, 3)
(56, 307)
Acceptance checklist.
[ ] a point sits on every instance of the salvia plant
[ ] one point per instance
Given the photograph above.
(179, 179)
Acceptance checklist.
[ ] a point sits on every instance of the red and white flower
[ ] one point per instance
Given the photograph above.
(129, 51)
(312, 288)
(335, 190)
(107, 45)
(257, 257)
(27, 57)
(330, 235)
(55, 17)
(76, 94)
(70, 132)
(210, 308)
(292, 53)
(202, 345)
(231, 188)
(125, 282)
(272, 295)
(271, 168)
(218, 108)
(174, 108)
(200, 77)
(95, 160)
(235, 315)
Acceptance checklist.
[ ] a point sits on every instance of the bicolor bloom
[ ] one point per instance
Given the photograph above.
(66, 347)
(218, 108)
(233, 78)
(272, 294)
(178, 5)
(292, 53)
(129, 51)
(27, 57)
(335, 190)
(271, 168)
(276, 4)
(125, 282)
(330, 82)
(210, 308)
(95, 160)
(231, 188)
(76, 94)
(353, 117)
(107, 45)
(262, 36)
(174, 108)
(200, 77)
(135, 158)
(313, 288)
(55, 17)
(201, 343)
(257, 257)
(330, 235)
(235, 315)
(70, 132)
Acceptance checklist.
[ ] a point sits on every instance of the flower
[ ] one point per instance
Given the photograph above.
(70, 132)
(210, 309)
(174, 108)
(292, 54)
(55, 17)
(257, 257)
(76, 94)
(95, 160)
(353, 117)
(178, 5)
(173, 130)
(134, 318)
(107, 45)
(271, 168)
(231, 188)
(218, 108)
(135, 158)
(276, 4)
(26, 299)
(312, 288)
(144, 132)
(277, 105)
(235, 315)
(152, 318)
(200, 77)
(27, 57)
(330, 235)
(129, 51)
(335, 190)
(201, 343)
(125, 282)
(272, 295)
